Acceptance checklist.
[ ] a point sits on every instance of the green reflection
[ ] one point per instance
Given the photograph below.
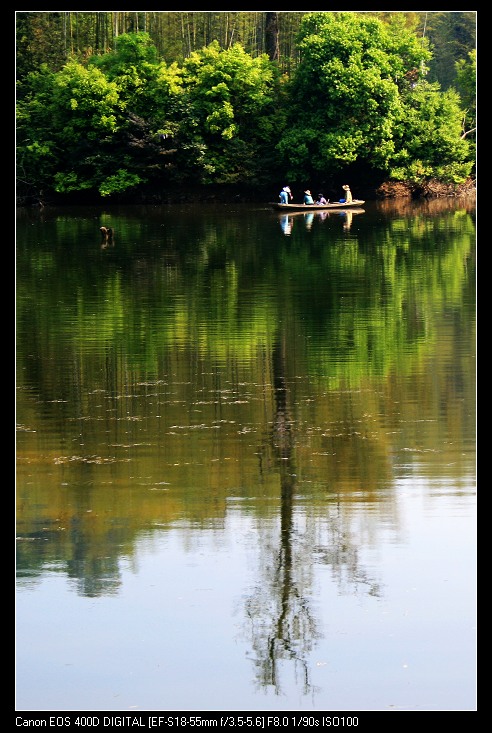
(148, 370)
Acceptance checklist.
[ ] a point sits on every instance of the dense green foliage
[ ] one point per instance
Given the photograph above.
(126, 120)
(348, 93)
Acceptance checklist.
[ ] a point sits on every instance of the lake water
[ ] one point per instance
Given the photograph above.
(246, 459)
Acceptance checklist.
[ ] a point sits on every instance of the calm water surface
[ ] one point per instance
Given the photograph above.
(246, 459)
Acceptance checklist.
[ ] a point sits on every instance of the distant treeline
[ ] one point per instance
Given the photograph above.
(52, 37)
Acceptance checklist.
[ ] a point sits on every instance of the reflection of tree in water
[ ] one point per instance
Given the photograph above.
(93, 576)
(283, 626)
(342, 556)
(93, 571)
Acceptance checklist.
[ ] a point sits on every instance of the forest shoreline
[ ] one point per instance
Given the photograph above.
(244, 193)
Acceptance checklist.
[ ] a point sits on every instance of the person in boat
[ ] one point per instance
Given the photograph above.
(284, 195)
(348, 194)
(321, 199)
(308, 199)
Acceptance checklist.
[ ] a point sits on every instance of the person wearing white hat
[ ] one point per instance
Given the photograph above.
(284, 195)
(308, 199)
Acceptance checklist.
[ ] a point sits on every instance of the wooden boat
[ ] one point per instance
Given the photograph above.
(311, 210)
(355, 203)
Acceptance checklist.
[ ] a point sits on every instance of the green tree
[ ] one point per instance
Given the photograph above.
(133, 65)
(151, 92)
(345, 93)
(39, 41)
(358, 96)
(431, 144)
(65, 132)
(452, 35)
(466, 84)
(227, 135)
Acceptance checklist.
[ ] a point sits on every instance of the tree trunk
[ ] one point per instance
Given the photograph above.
(271, 36)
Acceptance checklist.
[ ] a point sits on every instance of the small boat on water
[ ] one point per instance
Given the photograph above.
(355, 203)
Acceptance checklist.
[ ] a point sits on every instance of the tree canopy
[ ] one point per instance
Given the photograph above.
(359, 96)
